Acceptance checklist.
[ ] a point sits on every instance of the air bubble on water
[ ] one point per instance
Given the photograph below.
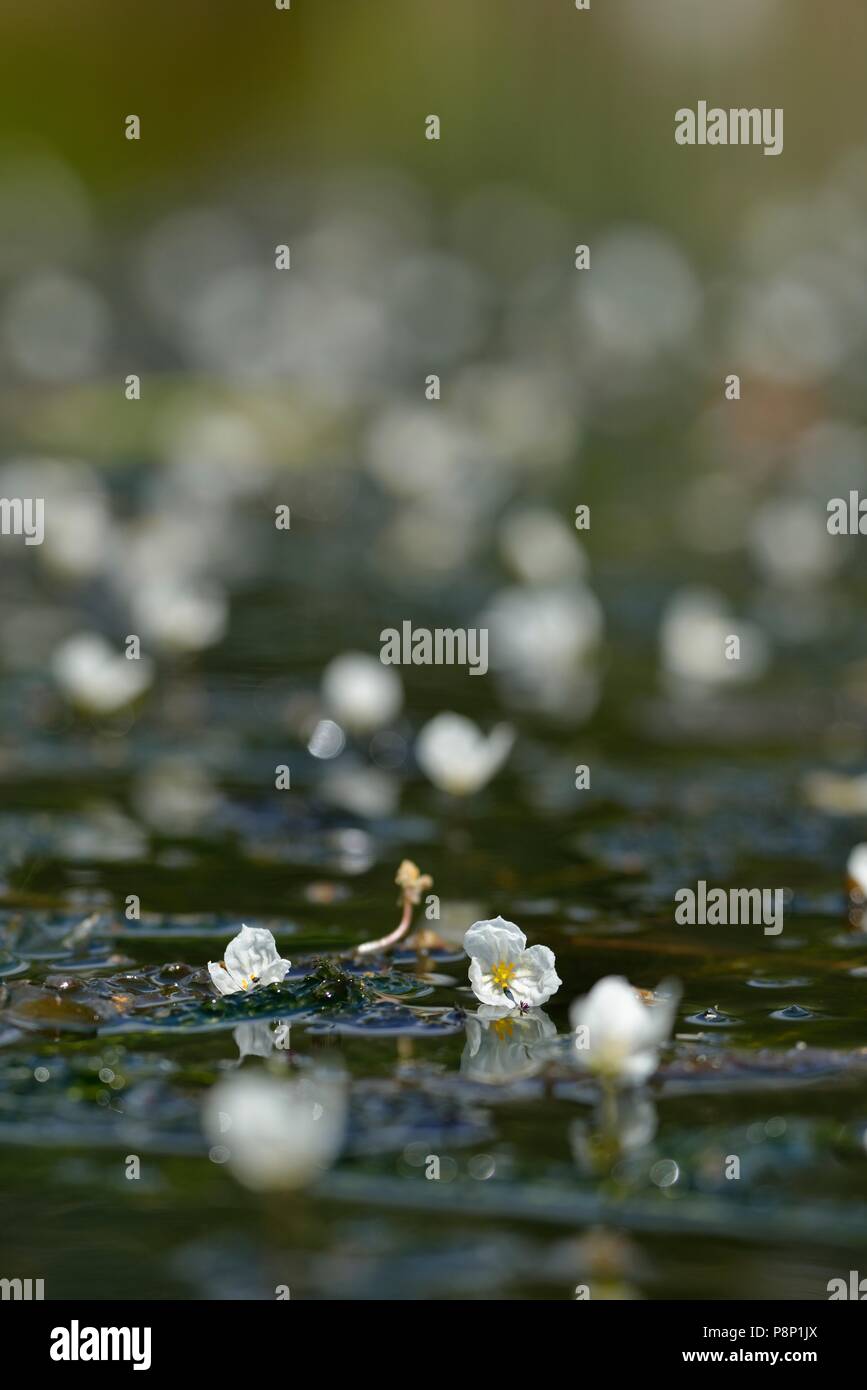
(712, 1015)
(665, 1173)
(482, 1166)
(794, 1012)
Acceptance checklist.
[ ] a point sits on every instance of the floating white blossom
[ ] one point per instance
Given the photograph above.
(91, 674)
(250, 960)
(457, 757)
(278, 1133)
(641, 302)
(618, 1037)
(856, 871)
(361, 693)
(180, 615)
(503, 972)
(538, 545)
(790, 542)
(543, 643)
(695, 634)
(545, 630)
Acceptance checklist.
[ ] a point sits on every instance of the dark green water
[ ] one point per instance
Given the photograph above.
(539, 1191)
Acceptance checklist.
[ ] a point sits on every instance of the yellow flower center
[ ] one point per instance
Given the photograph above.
(502, 974)
(503, 1028)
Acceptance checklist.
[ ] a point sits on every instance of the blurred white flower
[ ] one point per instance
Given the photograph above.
(540, 547)
(78, 531)
(181, 543)
(250, 960)
(619, 1036)
(278, 1133)
(419, 454)
(526, 415)
(361, 693)
(434, 537)
(457, 757)
(92, 675)
(542, 643)
(790, 328)
(856, 871)
(79, 545)
(175, 794)
(693, 635)
(789, 541)
(503, 972)
(185, 616)
(102, 833)
(216, 456)
(837, 794)
(641, 298)
(501, 1043)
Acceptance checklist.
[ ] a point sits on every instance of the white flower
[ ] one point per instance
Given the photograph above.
(694, 639)
(543, 643)
(180, 615)
(542, 633)
(503, 973)
(540, 547)
(361, 693)
(457, 757)
(250, 960)
(93, 675)
(856, 871)
(277, 1133)
(619, 1036)
(501, 1043)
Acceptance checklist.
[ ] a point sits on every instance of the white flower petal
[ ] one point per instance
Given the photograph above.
(856, 868)
(494, 939)
(536, 978)
(221, 978)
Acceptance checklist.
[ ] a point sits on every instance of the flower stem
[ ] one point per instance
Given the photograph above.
(384, 943)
